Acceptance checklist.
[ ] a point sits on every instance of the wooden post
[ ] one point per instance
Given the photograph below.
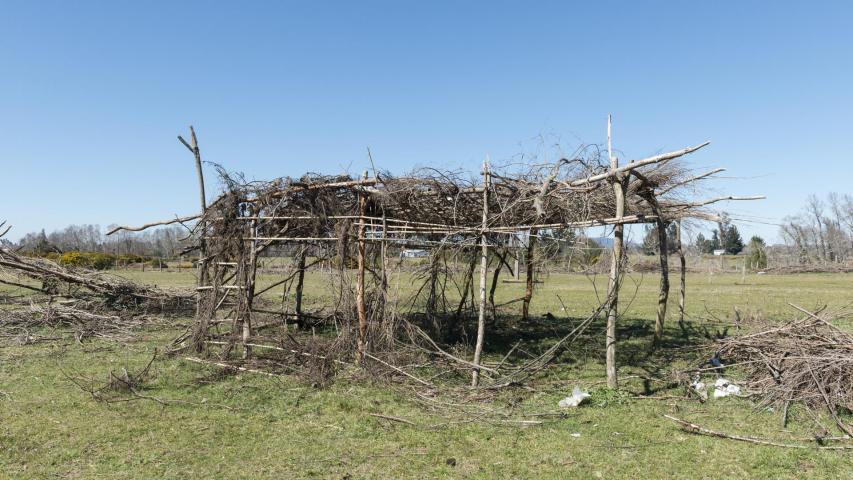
(203, 274)
(249, 290)
(615, 266)
(663, 295)
(300, 282)
(383, 252)
(484, 266)
(683, 285)
(531, 270)
(359, 284)
(193, 148)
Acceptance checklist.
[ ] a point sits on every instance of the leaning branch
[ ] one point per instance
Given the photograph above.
(702, 203)
(154, 224)
(639, 163)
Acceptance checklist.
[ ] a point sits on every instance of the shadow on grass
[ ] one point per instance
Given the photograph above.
(519, 340)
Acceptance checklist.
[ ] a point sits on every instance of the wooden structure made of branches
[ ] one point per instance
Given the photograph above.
(351, 225)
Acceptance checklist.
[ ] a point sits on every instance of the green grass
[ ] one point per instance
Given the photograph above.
(251, 426)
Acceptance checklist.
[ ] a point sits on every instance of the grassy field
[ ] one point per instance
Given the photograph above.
(252, 426)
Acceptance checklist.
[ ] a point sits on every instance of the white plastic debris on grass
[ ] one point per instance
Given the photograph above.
(724, 388)
(699, 388)
(577, 397)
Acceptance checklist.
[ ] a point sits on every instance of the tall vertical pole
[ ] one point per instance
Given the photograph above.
(249, 286)
(384, 253)
(359, 284)
(615, 265)
(683, 285)
(300, 283)
(663, 295)
(529, 280)
(484, 265)
(203, 274)
(193, 148)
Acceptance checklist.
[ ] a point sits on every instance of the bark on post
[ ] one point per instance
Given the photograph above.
(682, 290)
(384, 254)
(531, 270)
(484, 266)
(359, 285)
(663, 295)
(203, 276)
(250, 289)
(300, 282)
(615, 266)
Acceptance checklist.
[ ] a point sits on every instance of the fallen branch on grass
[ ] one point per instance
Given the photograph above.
(698, 429)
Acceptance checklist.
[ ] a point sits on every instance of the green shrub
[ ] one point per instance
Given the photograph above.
(129, 258)
(101, 261)
(95, 261)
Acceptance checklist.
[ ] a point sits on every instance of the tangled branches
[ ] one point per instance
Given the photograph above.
(41, 322)
(808, 360)
(88, 304)
(113, 292)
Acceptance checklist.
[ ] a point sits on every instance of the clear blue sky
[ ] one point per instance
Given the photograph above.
(93, 94)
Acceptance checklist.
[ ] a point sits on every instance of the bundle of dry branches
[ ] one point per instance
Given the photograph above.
(112, 291)
(87, 304)
(808, 360)
(40, 322)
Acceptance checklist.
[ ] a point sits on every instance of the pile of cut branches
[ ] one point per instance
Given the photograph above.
(42, 322)
(84, 303)
(808, 360)
(113, 291)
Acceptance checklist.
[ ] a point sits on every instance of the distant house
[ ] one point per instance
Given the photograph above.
(720, 251)
(414, 253)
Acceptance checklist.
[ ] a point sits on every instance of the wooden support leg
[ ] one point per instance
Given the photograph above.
(618, 183)
(531, 270)
(484, 267)
(663, 295)
(683, 286)
(359, 285)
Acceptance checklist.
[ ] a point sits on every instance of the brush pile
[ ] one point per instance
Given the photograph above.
(86, 304)
(43, 322)
(808, 361)
(112, 291)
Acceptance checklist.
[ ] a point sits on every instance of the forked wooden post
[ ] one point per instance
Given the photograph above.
(359, 282)
(615, 266)
(203, 275)
(193, 148)
(484, 266)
